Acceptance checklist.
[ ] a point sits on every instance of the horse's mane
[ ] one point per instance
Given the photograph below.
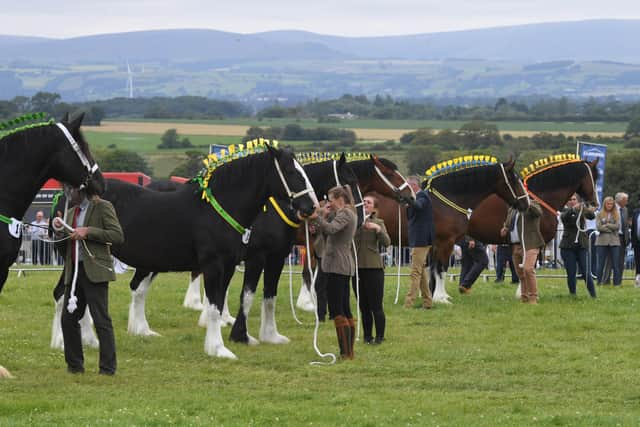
(466, 180)
(16, 128)
(361, 163)
(459, 163)
(558, 168)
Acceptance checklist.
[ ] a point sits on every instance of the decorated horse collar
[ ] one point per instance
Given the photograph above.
(453, 165)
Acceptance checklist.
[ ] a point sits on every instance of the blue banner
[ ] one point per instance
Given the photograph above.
(215, 148)
(590, 151)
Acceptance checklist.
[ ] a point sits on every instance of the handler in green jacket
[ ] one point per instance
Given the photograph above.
(96, 229)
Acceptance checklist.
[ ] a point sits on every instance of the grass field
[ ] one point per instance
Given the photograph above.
(486, 360)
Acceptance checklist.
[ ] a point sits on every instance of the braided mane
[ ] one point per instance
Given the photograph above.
(554, 160)
(21, 123)
(459, 163)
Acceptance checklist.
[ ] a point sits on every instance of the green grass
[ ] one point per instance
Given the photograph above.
(148, 143)
(486, 360)
(413, 124)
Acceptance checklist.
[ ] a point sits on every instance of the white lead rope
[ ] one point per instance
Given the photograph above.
(293, 308)
(73, 300)
(399, 252)
(315, 301)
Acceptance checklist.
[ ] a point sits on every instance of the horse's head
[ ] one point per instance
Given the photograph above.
(345, 175)
(388, 181)
(587, 186)
(290, 180)
(73, 163)
(510, 187)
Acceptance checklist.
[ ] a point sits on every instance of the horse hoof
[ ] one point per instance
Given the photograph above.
(194, 305)
(252, 340)
(441, 300)
(4, 373)
(222, 352)
(276, 339)
(228, 320)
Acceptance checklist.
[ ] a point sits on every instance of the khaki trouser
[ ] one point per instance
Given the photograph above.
(526, 273)
(419, 278)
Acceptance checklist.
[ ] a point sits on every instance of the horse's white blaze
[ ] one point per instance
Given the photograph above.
(440, 293)
(213, 344)
(268, 329)
(138, 324)
(57, 341)
(519, 291)
(304, 301)
(86, 330)
(192, 298)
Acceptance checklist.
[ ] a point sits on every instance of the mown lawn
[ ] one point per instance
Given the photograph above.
(485, 360)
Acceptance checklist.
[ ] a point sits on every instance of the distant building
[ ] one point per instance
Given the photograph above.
(344, 116)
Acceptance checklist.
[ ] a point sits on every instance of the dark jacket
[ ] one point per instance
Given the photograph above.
(368, 243)
(338, 257)
(635, 241)
(568, 218)
(104, 230)
(420, 218)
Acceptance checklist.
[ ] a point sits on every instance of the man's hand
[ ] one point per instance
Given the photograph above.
(504, 231)
(81, 233)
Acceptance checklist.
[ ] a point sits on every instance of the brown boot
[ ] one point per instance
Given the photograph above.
(343, 331)
(352, 329)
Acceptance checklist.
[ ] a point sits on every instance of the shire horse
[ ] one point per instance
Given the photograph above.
(273, 233)
(551, 181)
(181, 231)
(456, 188)
(29, 155)
(375, 175)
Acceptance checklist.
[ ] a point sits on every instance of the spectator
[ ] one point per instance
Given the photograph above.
(635, 240)
(608, 241)
(39, 228)
(503, 256)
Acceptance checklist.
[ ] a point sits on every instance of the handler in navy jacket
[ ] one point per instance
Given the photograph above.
(420, 239)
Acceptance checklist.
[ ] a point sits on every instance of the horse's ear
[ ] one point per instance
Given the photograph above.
(342, 160)
(509, 164)
(75, 123)
(65, 118)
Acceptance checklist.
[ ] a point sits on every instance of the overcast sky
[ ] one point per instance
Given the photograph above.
(63, 18)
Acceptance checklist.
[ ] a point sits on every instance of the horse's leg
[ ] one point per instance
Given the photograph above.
(140, 284)
(216, 278)
(227, 318)
(304, 301)
(253, 267)
(192, 298)
(268, 329)
(439, 264)
(57, 341)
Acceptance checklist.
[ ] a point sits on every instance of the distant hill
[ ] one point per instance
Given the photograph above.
(586, 58)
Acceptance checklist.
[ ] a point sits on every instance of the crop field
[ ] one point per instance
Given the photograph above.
(486, 360)
(365, 129)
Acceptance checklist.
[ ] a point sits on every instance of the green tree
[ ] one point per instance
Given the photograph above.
(633, 128)
(479, 134)
(45, 102)
(420, 158)
(122, 161)
(171, 139)
(191, 166)
(622, 174)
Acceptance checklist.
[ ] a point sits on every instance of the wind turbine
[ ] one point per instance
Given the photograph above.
(130, 81)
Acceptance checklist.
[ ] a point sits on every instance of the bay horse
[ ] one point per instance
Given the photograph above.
(456, 187)
(33, 150)
(179, 231)
(551, 181)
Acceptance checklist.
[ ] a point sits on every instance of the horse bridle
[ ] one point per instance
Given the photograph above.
(338, 183)
(91, 169)
(393, 188)
(309, 188)
(510, 187)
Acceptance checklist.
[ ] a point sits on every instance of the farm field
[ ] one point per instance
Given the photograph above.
(366, 129)
(486, 360)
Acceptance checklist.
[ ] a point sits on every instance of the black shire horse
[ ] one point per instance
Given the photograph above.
(179, 231)
(276, 230)
(29, 156)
